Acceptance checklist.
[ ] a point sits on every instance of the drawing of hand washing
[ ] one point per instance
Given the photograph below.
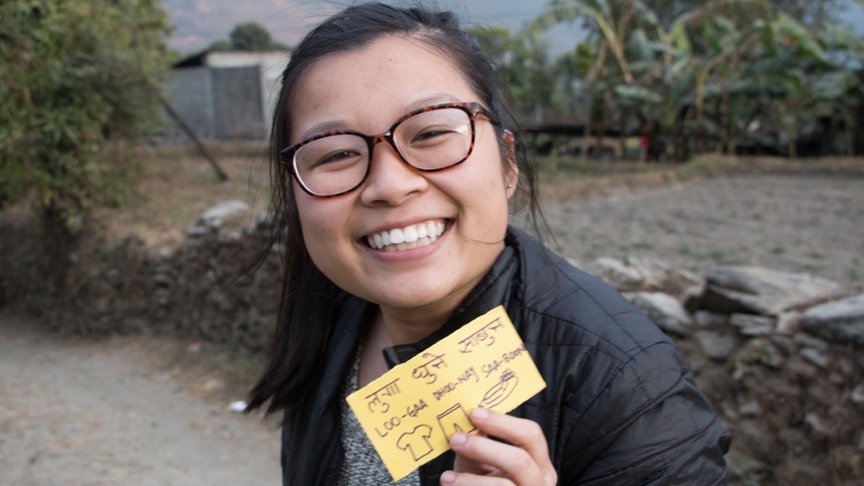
(500, 391)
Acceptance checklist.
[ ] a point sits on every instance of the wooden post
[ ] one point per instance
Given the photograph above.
(223, 177)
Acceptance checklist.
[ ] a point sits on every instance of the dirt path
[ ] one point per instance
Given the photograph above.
(130, 411)
(140, 410)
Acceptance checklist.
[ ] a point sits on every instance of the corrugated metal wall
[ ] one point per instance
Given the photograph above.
(219, 103)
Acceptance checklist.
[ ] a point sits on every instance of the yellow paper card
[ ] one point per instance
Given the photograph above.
(411, 412)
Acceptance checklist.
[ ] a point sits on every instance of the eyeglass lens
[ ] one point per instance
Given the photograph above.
(429, 140)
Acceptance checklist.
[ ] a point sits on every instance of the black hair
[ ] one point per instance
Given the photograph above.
(310, 302)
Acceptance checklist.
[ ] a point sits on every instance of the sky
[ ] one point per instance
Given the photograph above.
(197, 23)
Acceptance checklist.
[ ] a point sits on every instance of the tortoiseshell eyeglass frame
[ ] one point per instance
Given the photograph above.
(472, 109)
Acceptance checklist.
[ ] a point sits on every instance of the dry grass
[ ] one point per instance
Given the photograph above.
(174, 185)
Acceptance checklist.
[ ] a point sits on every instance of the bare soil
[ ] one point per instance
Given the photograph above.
(142, 410)
(127, 410)
(810, 223)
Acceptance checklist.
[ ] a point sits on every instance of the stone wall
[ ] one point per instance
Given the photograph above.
(201, 289)
(778, 354)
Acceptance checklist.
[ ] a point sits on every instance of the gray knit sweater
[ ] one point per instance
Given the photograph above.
(362, 465)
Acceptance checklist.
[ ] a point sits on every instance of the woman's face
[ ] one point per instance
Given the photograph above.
(368, 90)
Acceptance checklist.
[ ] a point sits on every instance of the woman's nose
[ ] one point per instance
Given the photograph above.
(390, 180)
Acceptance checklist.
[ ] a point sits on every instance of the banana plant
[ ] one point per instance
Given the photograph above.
(705, 78)
(796, 77)
(651, 69)
(613, 28)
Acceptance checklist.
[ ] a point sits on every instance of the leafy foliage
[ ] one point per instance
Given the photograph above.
(525, 67)
(713, 75)
(249, 36)
(76, 74)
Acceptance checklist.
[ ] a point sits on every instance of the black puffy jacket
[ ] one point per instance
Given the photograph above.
(620, 406)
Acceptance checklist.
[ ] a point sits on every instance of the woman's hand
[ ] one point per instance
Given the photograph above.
(524, 461)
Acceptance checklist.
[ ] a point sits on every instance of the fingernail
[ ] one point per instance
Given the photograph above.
(480, 413)
(448, 477)
(458, 439)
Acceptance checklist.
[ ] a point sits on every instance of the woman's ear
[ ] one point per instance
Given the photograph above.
(511, 175)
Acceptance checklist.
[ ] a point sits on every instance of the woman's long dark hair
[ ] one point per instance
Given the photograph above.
(310, 302)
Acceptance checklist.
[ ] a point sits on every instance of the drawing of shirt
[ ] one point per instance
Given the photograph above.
(416, 441)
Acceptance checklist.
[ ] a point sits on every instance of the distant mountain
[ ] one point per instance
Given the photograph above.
(197, 23)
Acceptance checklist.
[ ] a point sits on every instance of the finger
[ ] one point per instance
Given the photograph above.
(464, 463)
(482, 456)
(453, 478)
(522, 433)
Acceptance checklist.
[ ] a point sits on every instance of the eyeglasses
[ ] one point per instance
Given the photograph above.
(429, 139)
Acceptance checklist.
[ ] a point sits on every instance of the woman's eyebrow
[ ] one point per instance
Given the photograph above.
(435, 99)
(327, 126)
(332, 125)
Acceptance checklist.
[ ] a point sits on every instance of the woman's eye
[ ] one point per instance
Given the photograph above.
(339, 156)
(431, 134)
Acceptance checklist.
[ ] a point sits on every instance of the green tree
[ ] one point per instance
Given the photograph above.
(523, 60)
(249, 36)
(76, 74)
(221, 45)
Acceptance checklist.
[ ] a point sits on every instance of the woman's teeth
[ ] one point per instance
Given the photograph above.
(408, 237)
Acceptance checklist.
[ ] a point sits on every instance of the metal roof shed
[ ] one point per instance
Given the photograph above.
(227, 94)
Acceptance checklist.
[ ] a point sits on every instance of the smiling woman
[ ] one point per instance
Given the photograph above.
(468, 201)
(395, 169)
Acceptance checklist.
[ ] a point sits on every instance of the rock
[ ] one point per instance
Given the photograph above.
(762, 291)
(642, 274)
(857, 395)
(717, 346)
(816, 423)
(759, 351)
(805, 340)
(752, 325)
(815, 357)
(708, 319)
(730, 410)
(742, 468)
(788, 323)
(664, 310)
(617, 274)
(223, 212)
(841, 321)
(750, 409)
(198, 231)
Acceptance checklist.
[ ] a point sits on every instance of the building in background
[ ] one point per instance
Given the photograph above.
(226, 95)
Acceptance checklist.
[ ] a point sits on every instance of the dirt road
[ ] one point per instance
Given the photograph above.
(130, 411)
(146, 411)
